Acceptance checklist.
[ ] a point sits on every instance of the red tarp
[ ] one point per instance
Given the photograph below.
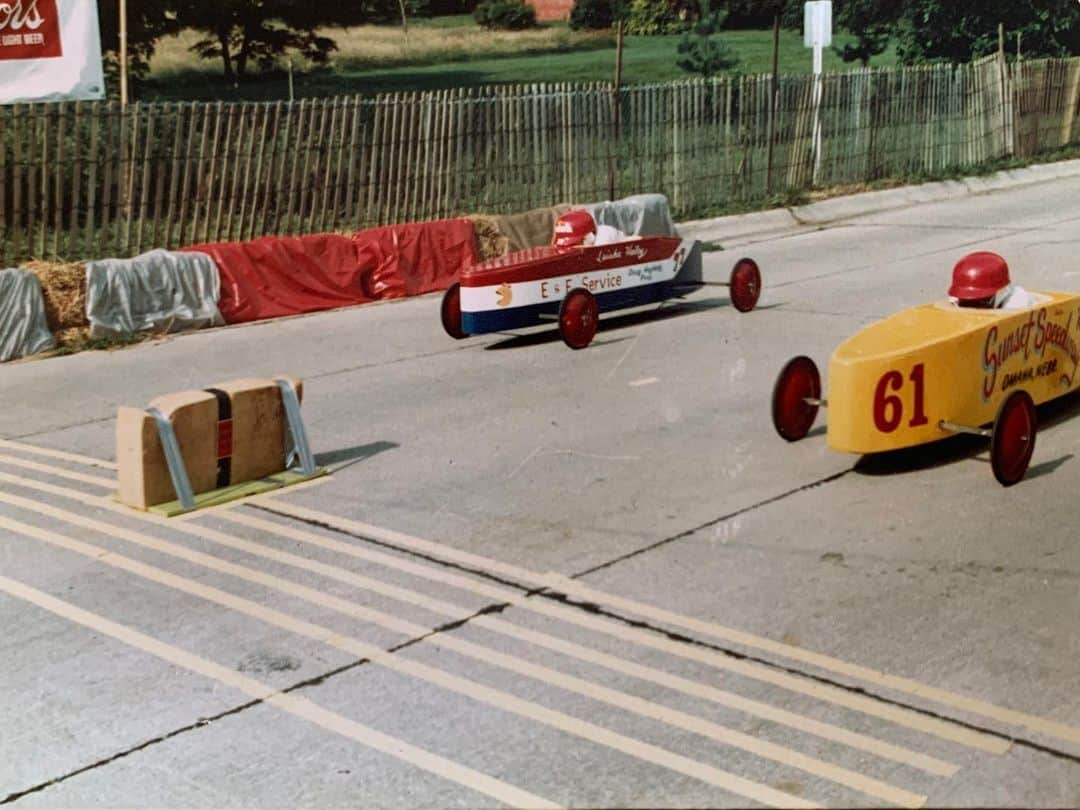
(276, 276)
(415, 258)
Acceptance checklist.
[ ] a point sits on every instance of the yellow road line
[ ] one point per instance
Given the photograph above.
(722, 697)
(292, 704)
(719, 660)
(843, 776)
(906, 685)
(60, 454)
(493, 697)
(802, 685)
(108, 483)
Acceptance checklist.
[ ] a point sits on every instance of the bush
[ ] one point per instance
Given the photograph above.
(505, 15)
(649, 17)
(592, 15)
(699, 52)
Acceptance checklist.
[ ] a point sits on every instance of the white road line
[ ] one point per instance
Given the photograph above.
(827, 731)
(843, 776)
(292, 704)
(801, 685)
(59, 472)
(60, 454)
(634, 635)
(643, 381)
(464, 686)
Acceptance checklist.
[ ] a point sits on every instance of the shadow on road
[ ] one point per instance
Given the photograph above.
(352, 455)
(668, 309)
(964, 447)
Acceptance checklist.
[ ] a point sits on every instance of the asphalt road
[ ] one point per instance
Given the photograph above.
(539, 576)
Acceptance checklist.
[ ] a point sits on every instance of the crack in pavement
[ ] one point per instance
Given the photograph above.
(707, 524)
(547, 592)
(314, 680)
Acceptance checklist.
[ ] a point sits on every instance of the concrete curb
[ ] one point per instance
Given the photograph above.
(763, 225)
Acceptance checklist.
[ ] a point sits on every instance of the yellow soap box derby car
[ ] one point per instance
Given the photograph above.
(929, 372)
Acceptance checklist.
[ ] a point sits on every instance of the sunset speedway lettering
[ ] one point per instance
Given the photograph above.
(1034, 335)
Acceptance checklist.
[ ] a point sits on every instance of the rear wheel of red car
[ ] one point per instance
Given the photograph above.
(451, 312)
(579, 317)
(1013, 439)
(792, 415)
(745, 285)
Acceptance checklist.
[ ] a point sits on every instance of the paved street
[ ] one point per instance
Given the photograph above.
(540, 577)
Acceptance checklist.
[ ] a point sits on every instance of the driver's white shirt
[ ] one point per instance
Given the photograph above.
(606, 235)
(1019, 298)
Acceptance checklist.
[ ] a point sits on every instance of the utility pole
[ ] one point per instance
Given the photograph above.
(616, 111)
(773, 98)
(817, 34)
(123, 55)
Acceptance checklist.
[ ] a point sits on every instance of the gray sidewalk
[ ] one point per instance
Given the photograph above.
(763, 225)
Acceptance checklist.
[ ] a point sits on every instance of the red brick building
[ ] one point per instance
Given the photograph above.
(551, 9)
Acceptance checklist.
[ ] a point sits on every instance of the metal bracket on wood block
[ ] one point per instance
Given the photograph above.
(175, 460)
(300, 450)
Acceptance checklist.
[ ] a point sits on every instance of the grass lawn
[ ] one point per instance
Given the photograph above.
(454, 52)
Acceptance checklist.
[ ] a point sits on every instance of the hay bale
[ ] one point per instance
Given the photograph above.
(490, 241)
(64, 288)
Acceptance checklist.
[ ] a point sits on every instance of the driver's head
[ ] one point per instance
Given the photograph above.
(980, 281)
(574, 228)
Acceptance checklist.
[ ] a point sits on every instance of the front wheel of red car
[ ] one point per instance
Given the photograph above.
(579, 318)
(745, 284)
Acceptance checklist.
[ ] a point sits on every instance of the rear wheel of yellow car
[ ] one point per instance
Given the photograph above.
(799, 381)
(1013, 438)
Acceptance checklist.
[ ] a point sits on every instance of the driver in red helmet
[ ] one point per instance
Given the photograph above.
(579, 228)
(981, 281)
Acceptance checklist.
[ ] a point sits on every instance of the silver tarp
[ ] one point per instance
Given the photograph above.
(23, 328)
(640, 215)
(160, 291)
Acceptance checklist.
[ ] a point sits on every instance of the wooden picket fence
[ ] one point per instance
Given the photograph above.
(84, 180)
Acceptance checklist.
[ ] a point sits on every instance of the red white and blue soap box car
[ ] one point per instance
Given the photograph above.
(575, 279)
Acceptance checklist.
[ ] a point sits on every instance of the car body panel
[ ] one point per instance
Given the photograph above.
(526, 288)
(892, 384)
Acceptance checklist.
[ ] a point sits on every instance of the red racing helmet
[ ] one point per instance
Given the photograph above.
(574, 228)
(979, 277)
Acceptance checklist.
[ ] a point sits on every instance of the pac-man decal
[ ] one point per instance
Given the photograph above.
(506, 295)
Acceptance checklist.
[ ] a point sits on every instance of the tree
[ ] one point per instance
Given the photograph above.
(148, 21)
(961, 30)
(873, 22)
(957, 30)
(242, 32)
(699, 52)
(761, 13)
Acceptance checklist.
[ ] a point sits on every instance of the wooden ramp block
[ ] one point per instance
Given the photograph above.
(232, 433)
(142, 472)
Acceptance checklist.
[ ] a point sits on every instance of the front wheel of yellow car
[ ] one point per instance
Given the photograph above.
(796, 397)
(1013, 439)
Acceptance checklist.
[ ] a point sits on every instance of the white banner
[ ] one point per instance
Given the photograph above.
(50, 50)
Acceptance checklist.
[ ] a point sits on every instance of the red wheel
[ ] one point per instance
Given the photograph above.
(1013, 439)
(792, 415)
(745, 285)
(579, 317)
(451, 312)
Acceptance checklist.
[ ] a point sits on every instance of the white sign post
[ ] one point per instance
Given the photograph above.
(50, 50)
(817, 34)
